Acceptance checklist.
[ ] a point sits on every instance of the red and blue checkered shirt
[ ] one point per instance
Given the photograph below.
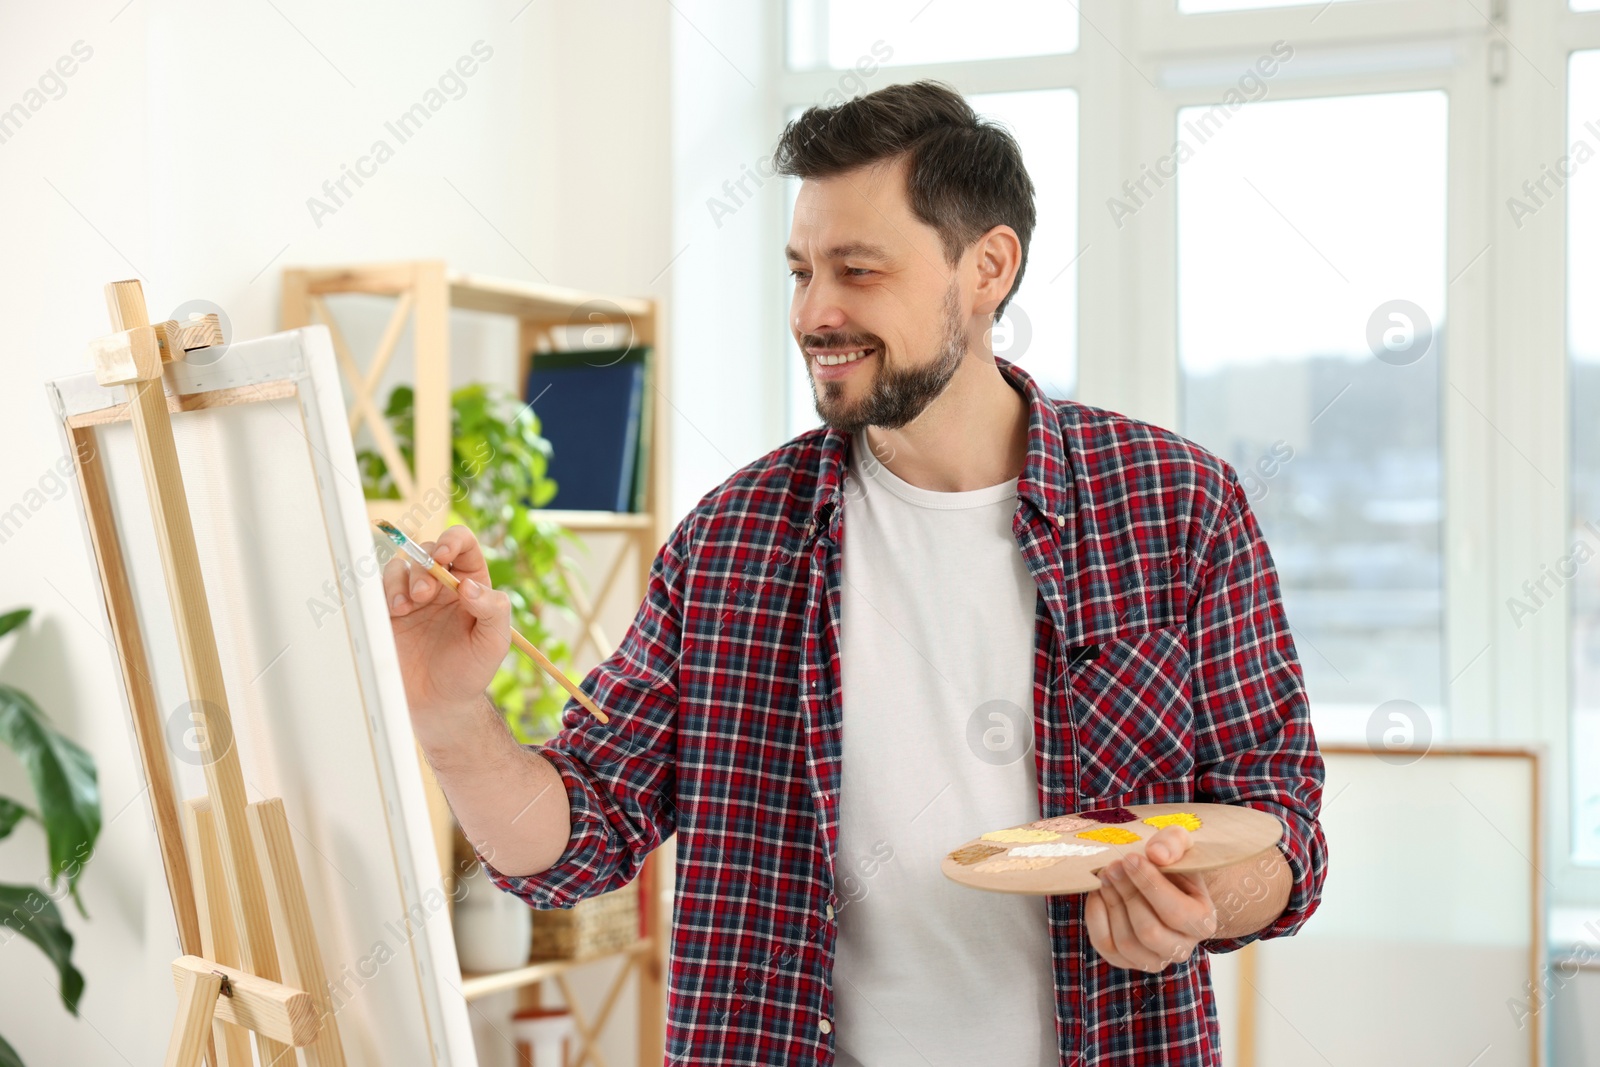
(724, 699)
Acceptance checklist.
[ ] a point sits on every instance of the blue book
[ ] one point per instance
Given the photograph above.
(590, 405)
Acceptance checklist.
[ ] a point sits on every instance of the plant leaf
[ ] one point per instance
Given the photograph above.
(64, 780)
(35, 916)
(8, 1055)
(400, 403)
(13, 619)
(11, 813)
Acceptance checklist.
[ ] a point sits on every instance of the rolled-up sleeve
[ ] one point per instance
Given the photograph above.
(1254, 741)
(620, 777)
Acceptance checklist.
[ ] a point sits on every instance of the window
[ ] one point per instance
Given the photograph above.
(1039, 330)
(1198, 7)
(1583, 382)
(839, 33)
(1310, 301)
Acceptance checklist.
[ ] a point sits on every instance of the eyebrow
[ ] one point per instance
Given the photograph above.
(852, 249)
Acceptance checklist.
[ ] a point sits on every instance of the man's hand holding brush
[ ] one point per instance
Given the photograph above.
(451, 643)
(509, 800)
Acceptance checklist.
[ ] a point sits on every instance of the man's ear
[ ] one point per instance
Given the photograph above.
(998, 256)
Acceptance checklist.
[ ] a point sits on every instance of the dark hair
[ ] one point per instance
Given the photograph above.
(965, 175)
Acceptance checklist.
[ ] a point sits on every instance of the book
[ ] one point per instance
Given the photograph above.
(590, 405)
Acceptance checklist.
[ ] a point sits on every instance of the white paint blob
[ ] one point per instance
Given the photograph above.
(1063, 848)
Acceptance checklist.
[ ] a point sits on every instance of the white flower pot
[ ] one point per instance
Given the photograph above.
(493, 928)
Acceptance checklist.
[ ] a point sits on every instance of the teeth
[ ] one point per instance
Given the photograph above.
(847, 357)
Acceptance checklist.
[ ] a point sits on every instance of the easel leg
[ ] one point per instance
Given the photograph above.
(299, 955)
(218, 936)
(197, 1000)
(1245, 1055)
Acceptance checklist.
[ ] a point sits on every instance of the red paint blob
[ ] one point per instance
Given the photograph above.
(1109, 815)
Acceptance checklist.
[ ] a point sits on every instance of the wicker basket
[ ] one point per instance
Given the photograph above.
(591, 927)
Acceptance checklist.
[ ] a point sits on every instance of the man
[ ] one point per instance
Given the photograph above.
(1040, 607)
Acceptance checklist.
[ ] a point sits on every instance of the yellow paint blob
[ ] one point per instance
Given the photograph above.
(1184, 819)
(1020, 836)
(1111, 835)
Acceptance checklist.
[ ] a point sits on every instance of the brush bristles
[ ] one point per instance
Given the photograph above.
(393, 531)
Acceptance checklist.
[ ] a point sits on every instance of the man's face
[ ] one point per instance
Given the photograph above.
(877, 312)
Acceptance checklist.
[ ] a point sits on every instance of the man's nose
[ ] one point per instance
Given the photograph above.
(817, 308)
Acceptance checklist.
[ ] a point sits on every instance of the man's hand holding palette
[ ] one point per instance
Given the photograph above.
(1062, 854)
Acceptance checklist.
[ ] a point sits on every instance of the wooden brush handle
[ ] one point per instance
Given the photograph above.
(555, 672)
(454, 583)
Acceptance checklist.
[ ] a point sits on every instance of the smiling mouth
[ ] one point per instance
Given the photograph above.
(844, 357)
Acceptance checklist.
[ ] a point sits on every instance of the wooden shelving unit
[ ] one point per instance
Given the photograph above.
(483, 985)
(424, 291)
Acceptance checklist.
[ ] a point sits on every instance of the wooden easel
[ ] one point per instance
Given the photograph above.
(250, 962)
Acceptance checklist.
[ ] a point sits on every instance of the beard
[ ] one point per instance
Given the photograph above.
(896, 395)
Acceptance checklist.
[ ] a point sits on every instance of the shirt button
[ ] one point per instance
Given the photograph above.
(828, 911)
(1061, 520)
(825, 1026)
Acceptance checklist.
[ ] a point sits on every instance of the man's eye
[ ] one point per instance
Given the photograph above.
(858, 271)
(798, 275)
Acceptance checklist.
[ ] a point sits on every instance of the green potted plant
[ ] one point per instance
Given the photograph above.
(68, 792)
(499, 466)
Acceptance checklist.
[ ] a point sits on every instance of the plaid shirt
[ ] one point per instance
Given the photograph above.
(724, 698)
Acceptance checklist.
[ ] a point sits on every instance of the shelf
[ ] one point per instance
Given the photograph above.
(596, 521)
(577, 521)
(482, 985)
(475, 292)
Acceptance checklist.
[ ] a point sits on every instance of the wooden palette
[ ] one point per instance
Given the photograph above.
(1228, 834)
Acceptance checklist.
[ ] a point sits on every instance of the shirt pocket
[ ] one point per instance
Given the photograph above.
(1133, 724)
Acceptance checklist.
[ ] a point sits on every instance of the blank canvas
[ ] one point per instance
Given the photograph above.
(291, 574)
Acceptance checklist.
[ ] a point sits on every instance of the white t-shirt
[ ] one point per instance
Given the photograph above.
(936, 652)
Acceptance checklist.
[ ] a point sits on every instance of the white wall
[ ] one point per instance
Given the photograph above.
(183, 152)
(728, 321)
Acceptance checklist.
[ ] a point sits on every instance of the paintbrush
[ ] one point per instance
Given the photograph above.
(426, 562)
